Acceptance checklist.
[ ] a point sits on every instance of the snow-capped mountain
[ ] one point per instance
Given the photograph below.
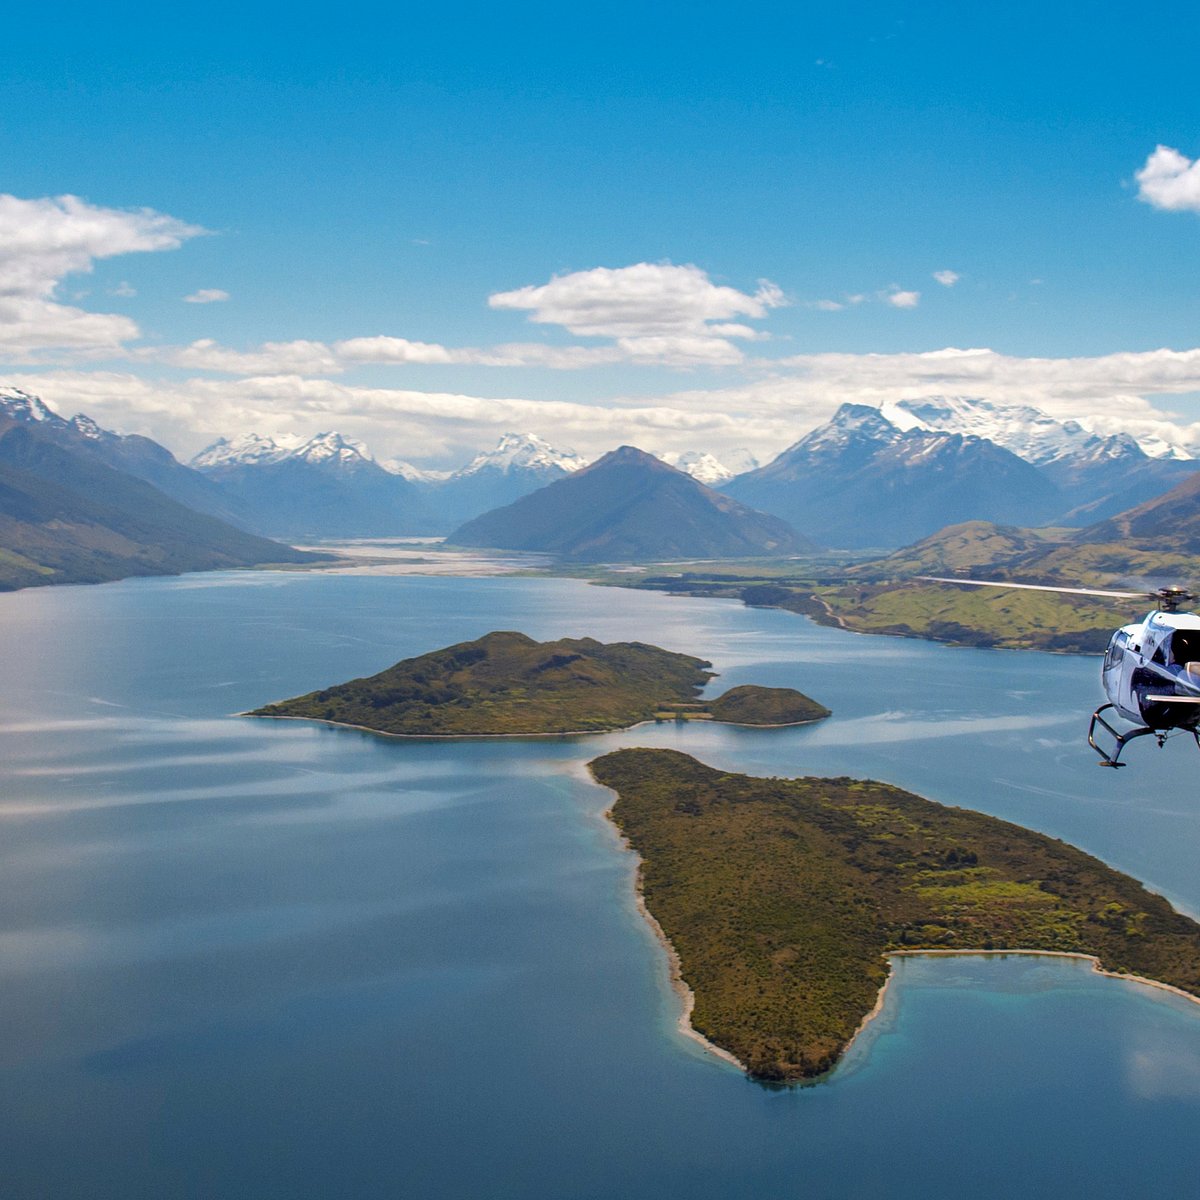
(1027, 431)
(20, 405)
(138, 456)
(1098, 475)
(518, 452)
(397, 466)
(707, 468)
(252, 449)
(519, 464)
(328, 485)
(247, 449)
(859, 480)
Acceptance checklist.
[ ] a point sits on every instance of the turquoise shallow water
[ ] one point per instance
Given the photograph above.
(259, 959)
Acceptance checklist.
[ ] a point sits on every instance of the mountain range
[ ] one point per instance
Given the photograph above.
(861, 481)
(327, 486)
(68, 516)
(1097, 476)
(631, 506)
(868, 477)
(872, 477)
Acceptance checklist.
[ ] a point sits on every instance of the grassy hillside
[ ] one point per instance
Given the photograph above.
(781, 898)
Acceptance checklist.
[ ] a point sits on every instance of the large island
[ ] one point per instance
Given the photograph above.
(506, 683)
(782, 897)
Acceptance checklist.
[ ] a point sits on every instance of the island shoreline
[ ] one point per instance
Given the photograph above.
(460, 737)
(679, 986)
(687, 998)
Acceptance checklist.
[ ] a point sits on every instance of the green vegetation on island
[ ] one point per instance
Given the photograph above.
(750, 704)
(781, 898)
(506, 683)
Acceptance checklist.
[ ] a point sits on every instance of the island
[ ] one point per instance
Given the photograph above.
(507, 684)
(780, 899)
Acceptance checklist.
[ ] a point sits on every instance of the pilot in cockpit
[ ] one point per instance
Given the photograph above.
(1183, 657)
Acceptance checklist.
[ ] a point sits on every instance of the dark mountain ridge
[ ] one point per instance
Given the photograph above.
(631, 506)
(66, 517)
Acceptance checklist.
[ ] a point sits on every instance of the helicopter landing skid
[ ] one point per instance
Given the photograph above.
(1113, 759)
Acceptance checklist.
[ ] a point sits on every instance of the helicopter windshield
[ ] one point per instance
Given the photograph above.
(1116, 649)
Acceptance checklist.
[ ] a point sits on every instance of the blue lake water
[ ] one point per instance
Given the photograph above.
(267, 959)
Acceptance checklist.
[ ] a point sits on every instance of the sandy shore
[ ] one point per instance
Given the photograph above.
(685, 995)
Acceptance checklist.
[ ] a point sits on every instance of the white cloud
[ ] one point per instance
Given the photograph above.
(309, 358)
(1170, 180)
(947, 278)
(207, 296)
(123, 289)
(675, 307)
(1108, 393)
(899, 299)
(188, 414)
(45, 240)
(827, 305)
(319, 358)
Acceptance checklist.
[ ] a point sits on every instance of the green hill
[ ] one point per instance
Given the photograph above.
(782, 896)
(506, 683)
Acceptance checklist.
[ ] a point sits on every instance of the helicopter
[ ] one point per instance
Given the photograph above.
(1151, 671)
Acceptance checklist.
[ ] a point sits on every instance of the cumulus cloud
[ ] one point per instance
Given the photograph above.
(1170, 180)
(947, 278)
(899, 299)
(207, 296)
(43, 241)
(677, 308)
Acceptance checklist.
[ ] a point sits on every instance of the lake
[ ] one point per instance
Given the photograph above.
(268, 959)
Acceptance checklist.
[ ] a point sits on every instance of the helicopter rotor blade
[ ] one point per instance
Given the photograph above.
(1038, 587)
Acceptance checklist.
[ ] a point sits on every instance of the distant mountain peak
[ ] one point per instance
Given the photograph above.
(522, 451)
(333, 447)
(253, 449)
(709, 469)
(1024, 429)
(88, 428)
(20, 405)
(406, 470)
(245, 448)
(630, 506)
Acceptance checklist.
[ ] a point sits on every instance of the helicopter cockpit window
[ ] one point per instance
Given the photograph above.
(1116, 650)
(1185, 646)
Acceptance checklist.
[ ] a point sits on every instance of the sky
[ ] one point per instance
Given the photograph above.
(691, 228)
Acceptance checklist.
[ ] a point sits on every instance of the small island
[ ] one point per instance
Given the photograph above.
(780, 899)
(507, 684)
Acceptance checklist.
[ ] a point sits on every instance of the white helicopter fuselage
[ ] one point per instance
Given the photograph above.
(1151, 671)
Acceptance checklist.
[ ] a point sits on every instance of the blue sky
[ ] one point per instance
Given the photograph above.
(363, 174)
